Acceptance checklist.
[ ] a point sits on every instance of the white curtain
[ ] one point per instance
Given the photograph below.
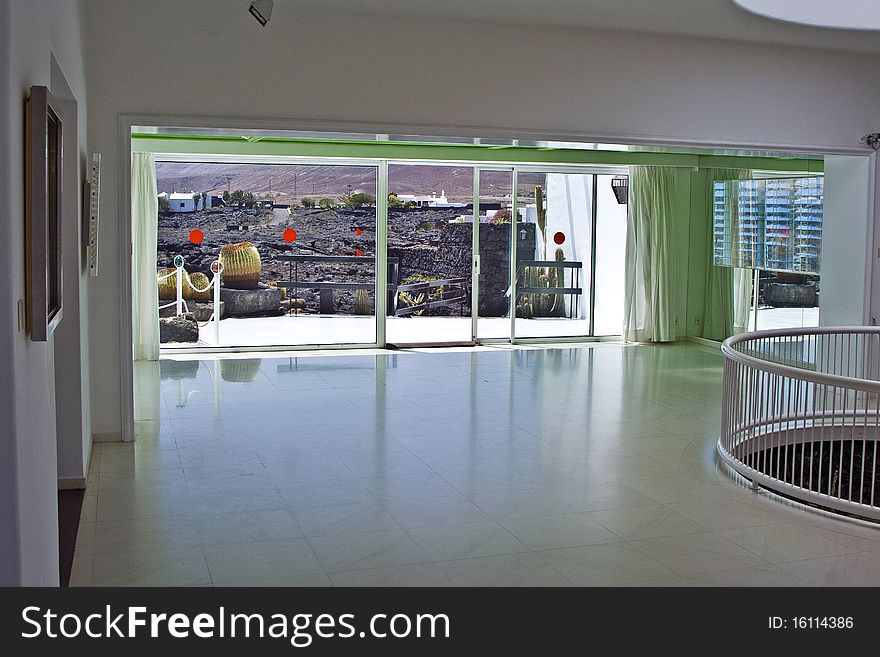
(742, 299)
(145, 218)
(648, 278)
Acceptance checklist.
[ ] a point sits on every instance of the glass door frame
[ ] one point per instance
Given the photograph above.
(475, 251)
(515, 170)
(381, 249)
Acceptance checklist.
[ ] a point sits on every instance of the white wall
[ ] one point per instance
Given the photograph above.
(31, 32)
(72, 407)
(844, 291)
(404, 71)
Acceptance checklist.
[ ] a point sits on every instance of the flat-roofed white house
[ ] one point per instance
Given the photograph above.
(183, 202)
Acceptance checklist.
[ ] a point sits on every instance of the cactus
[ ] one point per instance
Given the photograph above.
(558, 308)
(168, 287)
(538, 304)
(200, 281)
(241, 266)
(541, 211)
(362, 305)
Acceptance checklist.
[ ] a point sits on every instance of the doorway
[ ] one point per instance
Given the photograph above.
(468, 253)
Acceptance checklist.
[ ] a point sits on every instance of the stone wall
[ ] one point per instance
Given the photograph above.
(451, 258)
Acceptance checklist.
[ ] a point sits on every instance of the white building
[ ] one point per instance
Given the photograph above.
(432, 201)
(182, 202)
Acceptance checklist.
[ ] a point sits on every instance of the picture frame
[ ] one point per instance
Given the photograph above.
(44, 159)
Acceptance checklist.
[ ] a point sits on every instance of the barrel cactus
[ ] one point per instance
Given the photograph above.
(200, 281)
(362, 304)
(168, 286)
(241, 266)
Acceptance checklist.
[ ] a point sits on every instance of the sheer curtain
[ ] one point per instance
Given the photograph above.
(648, 284)
(145, 297)
(728, 290)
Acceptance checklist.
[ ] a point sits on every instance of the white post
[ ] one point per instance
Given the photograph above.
(178, 263)
(179, 305)
(217, 269)
(756, 290)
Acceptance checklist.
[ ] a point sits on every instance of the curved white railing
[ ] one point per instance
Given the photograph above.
(801, 414)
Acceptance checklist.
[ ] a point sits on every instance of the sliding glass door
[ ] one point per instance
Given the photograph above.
(570, 258)
(298, 245)
(492, 219)
(429, 254)
(320, 252)
(554, 265)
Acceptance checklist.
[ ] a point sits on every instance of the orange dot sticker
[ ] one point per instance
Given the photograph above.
(289, 235)
(196, 236)
(358, 231)
(559, 238)
(358, 252)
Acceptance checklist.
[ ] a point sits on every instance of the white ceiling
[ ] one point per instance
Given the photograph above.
(705, 18)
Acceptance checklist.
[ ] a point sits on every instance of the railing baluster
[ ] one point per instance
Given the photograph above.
(786, 388)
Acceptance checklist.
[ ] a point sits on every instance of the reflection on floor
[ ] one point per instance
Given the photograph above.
(558, 466)
(340, 329)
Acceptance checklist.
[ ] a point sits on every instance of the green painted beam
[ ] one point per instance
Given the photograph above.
(476, 153)
(792, 164)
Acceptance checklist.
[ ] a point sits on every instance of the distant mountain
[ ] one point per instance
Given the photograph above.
(293, 182)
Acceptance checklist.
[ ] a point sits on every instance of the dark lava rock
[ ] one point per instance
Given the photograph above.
(178, 329)
(202, 312)
(243, 303)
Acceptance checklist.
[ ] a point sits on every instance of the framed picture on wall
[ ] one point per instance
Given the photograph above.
(43, 167)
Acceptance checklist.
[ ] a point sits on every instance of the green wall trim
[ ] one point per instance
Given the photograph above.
(789, 164)
(476, 153)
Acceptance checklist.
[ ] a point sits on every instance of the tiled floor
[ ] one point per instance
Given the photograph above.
(565, 466)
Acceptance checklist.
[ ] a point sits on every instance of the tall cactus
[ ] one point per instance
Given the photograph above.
(558, 308)
(539, 304)
(541, 211)
(241, 266)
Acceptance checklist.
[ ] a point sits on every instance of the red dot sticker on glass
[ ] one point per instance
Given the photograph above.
(289, 235)
(196, 236)
(559, 238)
(358, 252)
(358, 231)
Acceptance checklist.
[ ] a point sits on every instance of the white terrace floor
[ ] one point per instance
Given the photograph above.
(495, 466)
(290, 330)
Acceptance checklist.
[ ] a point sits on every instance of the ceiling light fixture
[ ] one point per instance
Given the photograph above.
(262, 11)
(840, 14)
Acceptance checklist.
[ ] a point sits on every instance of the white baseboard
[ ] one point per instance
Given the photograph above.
(704, 341)
(72, 483)
(111, 437)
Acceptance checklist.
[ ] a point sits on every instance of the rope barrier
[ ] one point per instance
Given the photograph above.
(194, 288)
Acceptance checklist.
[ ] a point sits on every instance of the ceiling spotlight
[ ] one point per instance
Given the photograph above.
(262, 11)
